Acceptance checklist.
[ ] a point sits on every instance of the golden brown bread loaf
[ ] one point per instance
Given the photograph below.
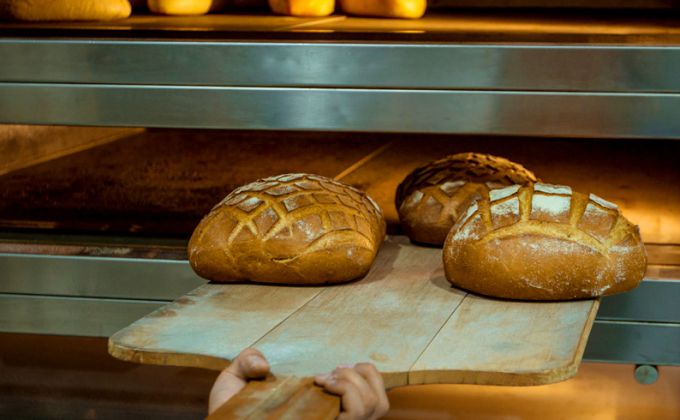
(302, 7)
(544, 242)
(64, 10)
(185, 7)
(289, 229)
(429, 200)
(409, 9)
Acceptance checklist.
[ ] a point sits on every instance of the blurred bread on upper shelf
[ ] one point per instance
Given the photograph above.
(64, 10)
(302, 8)
(185, 7)
(410, 9)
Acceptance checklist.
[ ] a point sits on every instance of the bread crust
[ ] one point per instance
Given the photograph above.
(185, 7)
(431, 198)
(544, 242)
(302, 8)
(64, 10)
(289, 229)
(405, 9)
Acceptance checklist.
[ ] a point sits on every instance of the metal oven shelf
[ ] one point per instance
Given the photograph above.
(540, 74)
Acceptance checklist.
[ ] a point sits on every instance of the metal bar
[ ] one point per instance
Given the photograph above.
(349, 65)
(96, 277)
(651, 301)
(424, 111)
(631, 342)
(69, 316)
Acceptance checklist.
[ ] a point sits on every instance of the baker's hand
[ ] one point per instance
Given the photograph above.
(361, 388)
(249, 364)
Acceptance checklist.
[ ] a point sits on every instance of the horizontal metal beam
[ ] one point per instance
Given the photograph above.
(96, 277)
(651, 301)
(634, 342)
(371, 110)
(70, 316)
(349, 65)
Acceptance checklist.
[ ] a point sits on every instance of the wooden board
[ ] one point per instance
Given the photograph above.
(403, 317)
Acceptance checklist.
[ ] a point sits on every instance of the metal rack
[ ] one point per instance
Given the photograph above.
(536, 74)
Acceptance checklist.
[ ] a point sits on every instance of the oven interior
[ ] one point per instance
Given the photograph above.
(97, 202)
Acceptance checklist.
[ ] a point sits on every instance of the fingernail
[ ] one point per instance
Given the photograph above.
(255, 362)
(345, 366)
(321, 378)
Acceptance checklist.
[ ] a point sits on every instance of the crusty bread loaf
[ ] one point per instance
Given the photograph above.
(64, 10)
(289, 229)
(430, 198)
(302, 7)
(185, 7)
(408, 9)
(544, 242)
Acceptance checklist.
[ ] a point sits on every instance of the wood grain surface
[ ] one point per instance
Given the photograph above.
(286, 398)
(403, 317)
(527, 343)
(208, 326)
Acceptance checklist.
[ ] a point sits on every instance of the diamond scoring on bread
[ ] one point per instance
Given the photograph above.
(553, 244)
(289, 229)
(433, 196)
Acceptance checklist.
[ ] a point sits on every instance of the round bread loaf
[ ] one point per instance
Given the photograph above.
(289, 229)
(184, 7)
(405, 9)
(302, 7)
(64, 10)
(430, 198)
(544, 242)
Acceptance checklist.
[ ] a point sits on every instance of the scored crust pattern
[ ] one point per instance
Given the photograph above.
(430, 198)
(268, 226)
(577, 225)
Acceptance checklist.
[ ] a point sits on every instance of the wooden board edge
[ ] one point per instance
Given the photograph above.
(156, 357)
(583, 340)
(492, 378)
(394, 379)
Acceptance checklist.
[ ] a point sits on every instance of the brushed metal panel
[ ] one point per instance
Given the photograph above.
(426, 111)
(651, 301)
(96, 277)
(377, 65)
(70, 316)
(632, 342)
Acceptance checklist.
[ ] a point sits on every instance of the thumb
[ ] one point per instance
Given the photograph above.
(249, 364)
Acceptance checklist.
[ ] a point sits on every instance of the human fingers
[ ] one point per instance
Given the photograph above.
(249, 364)
(359, 400)
(375, 381)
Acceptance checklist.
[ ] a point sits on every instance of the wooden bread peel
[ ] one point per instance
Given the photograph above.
(280, 398)
(403, 316)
